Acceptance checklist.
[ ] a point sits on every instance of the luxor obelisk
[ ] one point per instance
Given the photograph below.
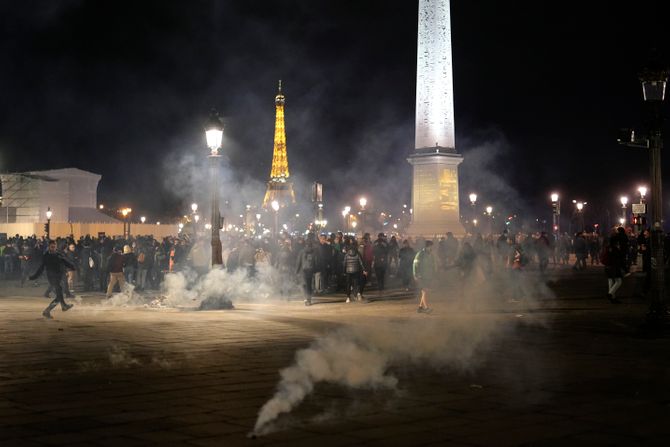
(435, 202)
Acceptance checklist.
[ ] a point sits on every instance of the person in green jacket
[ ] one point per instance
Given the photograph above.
(424, 270)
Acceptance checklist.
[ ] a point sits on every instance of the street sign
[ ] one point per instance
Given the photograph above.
(639, 208)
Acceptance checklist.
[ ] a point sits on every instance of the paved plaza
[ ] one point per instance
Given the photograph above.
(569, 369)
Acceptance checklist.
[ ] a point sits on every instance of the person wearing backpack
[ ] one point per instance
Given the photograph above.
(306, 266)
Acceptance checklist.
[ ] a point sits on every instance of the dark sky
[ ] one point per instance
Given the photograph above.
(122, 88)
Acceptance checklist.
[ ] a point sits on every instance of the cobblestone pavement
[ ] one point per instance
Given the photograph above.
(569, 371)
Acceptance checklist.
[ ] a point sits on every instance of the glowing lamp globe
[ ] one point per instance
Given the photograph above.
(275, 205)
(194, 207)
(143, 219)
(554, 197)
(49, 214)
(489, 210)
(363, 202)
(624, 200)
(214, 132)
(473, 198)
(642, 190)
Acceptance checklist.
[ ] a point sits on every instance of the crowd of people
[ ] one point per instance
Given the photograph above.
(321, 264)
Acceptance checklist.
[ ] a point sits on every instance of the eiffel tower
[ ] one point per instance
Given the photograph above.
(279, 187)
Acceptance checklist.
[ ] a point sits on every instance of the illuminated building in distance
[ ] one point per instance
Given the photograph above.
(279, 188)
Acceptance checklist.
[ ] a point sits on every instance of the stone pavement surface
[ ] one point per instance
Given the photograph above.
(569, 370)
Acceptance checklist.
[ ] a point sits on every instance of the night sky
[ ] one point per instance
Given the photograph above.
(123, 88)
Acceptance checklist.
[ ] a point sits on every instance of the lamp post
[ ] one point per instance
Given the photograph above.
(345, 216)
(275, 207)
(489, 214)
(126, 223)
(363, 202)
(580, 213)
(624, 202)
(473, 203)
(214, 136)
(143, 219)
(556, 213)
(47, 227)
(653, 91)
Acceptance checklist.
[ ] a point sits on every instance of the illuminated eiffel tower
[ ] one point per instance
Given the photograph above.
(279, 187)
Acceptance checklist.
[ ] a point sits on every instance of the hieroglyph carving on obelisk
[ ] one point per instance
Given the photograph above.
(434, 77)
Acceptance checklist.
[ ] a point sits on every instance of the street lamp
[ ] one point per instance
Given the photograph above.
(489, 214)
(126, 223)
(580, 213)
(143, 219)
(345, 216)
(653, 81)
(624, 202)
(47, 227)
(643, 192)
(473, 198)
(275, 207)
(556, 213)
(214, 136)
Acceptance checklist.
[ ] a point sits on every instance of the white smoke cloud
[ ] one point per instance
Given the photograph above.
(470, 314)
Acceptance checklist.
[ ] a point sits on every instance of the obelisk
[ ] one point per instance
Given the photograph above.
(435, 202)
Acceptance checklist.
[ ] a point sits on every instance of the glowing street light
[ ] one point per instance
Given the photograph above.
(126, 223)
(47, 226)
(643, 192)
(473, 198)
(363, 201)
(556, 212)
(214, 137)
(101, 206)
(624, 201)
(143, 219)
(214, 132)
(489, 210)
(194, 207)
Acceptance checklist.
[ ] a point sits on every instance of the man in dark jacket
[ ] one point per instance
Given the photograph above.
(306, 265)
(55, 265)
(380, 256)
